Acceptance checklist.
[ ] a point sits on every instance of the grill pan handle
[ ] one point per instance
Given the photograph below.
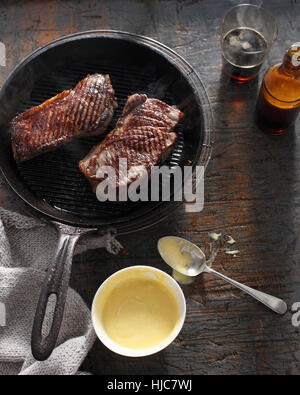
(56, 283)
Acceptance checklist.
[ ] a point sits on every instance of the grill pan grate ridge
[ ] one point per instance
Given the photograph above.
(54, 176)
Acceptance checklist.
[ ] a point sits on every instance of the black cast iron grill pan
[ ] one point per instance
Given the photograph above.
(52, 185)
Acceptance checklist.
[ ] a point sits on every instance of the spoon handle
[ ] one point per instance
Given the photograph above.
(275, 304)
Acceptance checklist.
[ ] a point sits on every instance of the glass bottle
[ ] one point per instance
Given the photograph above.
(278, 102)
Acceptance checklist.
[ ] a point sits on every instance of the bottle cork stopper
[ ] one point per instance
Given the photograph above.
(292, 57)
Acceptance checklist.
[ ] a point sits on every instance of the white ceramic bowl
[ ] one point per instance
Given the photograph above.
(113, 346)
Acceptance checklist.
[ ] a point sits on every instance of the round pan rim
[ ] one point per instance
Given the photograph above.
(202, 157)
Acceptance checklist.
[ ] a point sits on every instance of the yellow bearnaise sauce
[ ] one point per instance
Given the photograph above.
(170, 248)
(138, 310)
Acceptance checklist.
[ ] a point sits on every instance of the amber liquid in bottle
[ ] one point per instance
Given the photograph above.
(278, 102)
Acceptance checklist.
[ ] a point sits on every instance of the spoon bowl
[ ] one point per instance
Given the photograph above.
(197, 261)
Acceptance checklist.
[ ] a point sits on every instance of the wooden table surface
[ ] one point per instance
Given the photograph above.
(252, 189)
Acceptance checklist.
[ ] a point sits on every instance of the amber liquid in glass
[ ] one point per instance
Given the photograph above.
(278, 102)
(244, 50)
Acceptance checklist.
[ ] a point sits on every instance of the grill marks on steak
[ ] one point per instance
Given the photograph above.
(85, 110)
(143, 135)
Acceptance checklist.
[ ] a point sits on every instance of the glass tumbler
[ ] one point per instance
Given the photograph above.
(247, 34)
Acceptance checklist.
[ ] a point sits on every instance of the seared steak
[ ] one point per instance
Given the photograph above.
(143, 135)
(85, 110)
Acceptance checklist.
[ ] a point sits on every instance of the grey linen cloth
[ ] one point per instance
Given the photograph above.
(27, 247)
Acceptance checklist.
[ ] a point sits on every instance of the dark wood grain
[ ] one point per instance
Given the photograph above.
(252, 191)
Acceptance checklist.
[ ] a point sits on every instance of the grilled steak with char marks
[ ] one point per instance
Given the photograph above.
(143, 135)
(83, 111)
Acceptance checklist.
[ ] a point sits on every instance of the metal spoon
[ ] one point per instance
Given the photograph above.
(199, 266)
